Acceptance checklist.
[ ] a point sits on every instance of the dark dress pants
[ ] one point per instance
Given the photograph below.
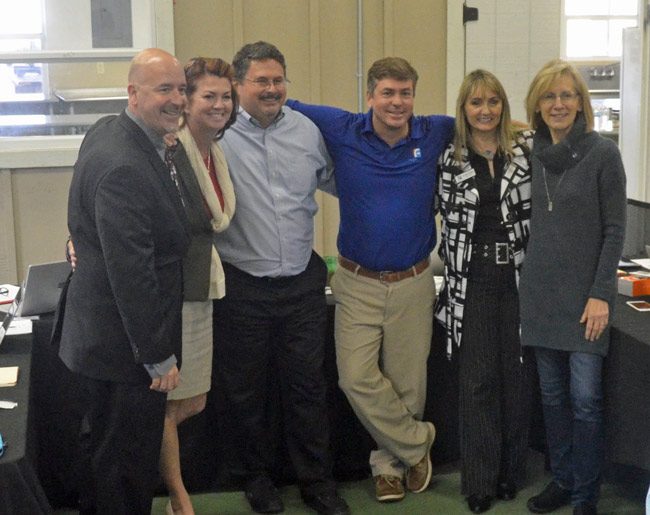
(269, 330)
(121, 438)
(494, 383)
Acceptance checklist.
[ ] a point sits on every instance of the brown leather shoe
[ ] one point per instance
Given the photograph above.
(388, 488)
(419, 475)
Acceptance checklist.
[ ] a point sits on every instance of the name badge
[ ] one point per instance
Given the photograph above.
(465, 175)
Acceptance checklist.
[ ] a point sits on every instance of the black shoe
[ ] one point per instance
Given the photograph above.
(506, 491)
(585, 508)
(263, 496)
(479, 504)
(550, 499)
(327, 503)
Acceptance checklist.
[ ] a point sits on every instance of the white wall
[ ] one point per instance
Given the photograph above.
(513, 39)
(68, 24)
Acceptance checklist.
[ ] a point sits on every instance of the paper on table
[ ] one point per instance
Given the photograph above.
(20, 326)
(8, 376)
(626, 263)
(9, 292)
(644, 262)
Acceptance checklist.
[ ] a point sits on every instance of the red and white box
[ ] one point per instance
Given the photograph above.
(633, 286)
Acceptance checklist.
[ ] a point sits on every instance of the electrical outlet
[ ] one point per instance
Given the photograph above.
(100, 68)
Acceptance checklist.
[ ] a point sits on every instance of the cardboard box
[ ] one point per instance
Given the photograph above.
(633, 286)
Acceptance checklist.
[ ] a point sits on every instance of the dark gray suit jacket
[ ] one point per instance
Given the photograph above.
(130, 234)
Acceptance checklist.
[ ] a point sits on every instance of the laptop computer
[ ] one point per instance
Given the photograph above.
(42, 288)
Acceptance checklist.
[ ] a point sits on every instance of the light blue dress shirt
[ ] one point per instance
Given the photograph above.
(275, 172)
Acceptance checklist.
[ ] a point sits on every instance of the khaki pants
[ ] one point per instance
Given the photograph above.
(383, 336)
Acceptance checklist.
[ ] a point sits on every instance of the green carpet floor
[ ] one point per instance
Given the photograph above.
(620, 495)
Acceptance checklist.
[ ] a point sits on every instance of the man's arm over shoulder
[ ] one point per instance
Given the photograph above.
(329, 120)
(444, 124)
(316, 141)
(326, 176)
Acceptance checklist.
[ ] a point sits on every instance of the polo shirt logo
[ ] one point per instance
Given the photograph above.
(417, 153)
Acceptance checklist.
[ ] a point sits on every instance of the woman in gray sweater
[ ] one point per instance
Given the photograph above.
(568, 283)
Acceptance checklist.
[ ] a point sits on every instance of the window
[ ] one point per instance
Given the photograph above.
(594, 28)
(80, 51)
(21, 30)
(63, 65)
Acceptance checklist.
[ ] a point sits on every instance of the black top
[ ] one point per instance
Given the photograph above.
(489, 222)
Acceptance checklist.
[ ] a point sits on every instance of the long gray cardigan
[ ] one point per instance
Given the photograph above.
(574, 249)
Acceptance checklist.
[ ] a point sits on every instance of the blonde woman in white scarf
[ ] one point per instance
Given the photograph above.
(209, 203)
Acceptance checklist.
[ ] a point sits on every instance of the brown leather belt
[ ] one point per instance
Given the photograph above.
(387, 276)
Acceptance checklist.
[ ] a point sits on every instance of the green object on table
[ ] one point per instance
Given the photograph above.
(331, 262)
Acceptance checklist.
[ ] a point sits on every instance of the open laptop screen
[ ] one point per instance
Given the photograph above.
(637, 229)
(42, 288)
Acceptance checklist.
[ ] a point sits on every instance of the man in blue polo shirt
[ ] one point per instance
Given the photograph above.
(385, 162)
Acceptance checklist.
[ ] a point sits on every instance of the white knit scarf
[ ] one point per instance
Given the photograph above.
(220, 217)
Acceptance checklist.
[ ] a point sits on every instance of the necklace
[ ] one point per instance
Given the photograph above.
(487, 154)
(550, 199)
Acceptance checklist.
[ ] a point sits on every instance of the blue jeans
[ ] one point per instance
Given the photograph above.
(572, 397)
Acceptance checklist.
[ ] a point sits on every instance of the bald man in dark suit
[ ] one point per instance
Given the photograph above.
(121, 329)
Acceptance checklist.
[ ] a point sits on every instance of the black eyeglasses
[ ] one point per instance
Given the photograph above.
(4, 291)
(3, 445)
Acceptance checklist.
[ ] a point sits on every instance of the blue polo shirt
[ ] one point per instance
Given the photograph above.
(386, 194)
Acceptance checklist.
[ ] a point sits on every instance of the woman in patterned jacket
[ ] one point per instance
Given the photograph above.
(484, 200)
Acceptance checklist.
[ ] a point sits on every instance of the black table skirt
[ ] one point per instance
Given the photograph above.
(207, 456)
(627, 387)
(20, 490)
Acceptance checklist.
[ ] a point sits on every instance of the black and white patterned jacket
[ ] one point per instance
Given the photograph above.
(458, 201)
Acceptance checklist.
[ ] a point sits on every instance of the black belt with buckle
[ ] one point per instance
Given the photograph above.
(499, 253)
